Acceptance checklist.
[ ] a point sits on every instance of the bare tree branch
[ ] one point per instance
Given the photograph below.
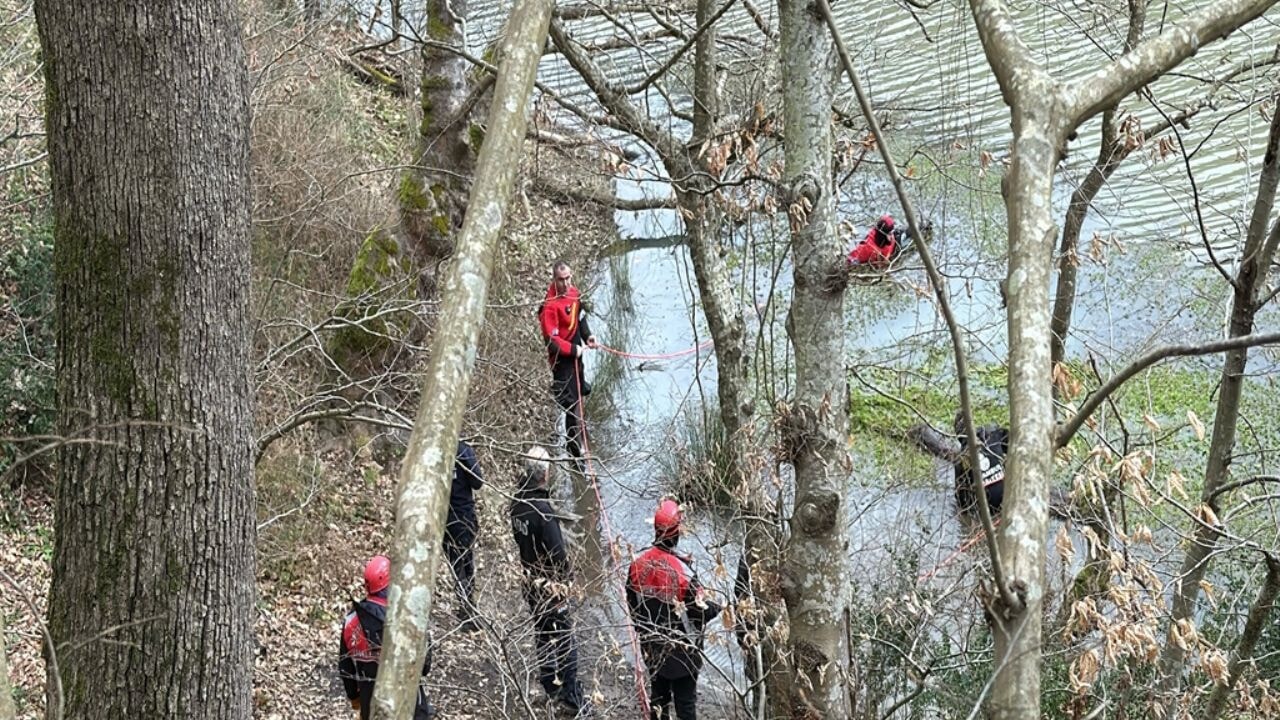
(1089, 95)
(640, 86)
(1068, 429)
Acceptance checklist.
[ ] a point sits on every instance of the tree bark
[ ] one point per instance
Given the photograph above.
(433, 202)
(815, 428)
(7, 709)
(1044, 112)
(151, 606)
(693, 183)
(1250, 281)
(422, 499)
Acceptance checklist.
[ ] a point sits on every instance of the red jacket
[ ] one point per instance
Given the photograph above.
(562, 323)
(869, 252)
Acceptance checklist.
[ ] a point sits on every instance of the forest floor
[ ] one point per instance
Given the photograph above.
(311, 554)
(326, 492)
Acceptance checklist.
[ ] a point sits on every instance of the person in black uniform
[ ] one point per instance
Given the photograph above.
(460, 531)
(360, 645)
(993, 445)
(545, 585)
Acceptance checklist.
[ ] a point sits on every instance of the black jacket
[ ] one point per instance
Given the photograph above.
(543, 555)
(993, 443)
(467, 478)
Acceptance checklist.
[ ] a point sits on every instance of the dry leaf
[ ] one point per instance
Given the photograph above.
(1151, 423)
(1196, 425)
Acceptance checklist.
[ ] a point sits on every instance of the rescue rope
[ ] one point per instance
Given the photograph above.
(642, 691)
(705, 345)
(978, 536)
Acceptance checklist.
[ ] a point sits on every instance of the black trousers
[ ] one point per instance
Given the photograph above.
(557, 655)
(459, 540)
(570, 388)
(422, 710)
(683, 690)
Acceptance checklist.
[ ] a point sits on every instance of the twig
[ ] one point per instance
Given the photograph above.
(653, 77)
(60, 704)
(1069, 429)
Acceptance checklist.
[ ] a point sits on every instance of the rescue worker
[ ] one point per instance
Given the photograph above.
(545, 584)
(460, 531)
(669, 610)
(361, 643)
(993, 443)
(879, 245)
(564, 327)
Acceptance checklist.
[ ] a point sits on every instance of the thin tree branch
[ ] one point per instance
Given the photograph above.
(1010, 59)
(1007, 596)
(1154, 57)
(640, 87)
(1069, 429)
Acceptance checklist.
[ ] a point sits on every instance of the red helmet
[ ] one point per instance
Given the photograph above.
(886, 223)
(666, 521)
(377, 574)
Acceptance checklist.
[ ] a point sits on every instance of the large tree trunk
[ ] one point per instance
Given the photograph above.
(423, 495)
(1044, 111)
(151, 606)
(1250, 281)
(433, 193)
(815, 579)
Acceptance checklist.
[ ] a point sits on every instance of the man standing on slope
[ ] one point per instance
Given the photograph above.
(545, 585)
(460, 530)
(360, 646)
(564, 327)
(669, 611)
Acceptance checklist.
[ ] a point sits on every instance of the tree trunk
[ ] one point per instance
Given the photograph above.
(693, 183)
(815, 427)
(1044, 111)
(1017, 632)
(1250, 280)
(695, 186)
(151, 606)
(423, 495)
(433, 193)
(1259, 613)
(7, 710)
(1110, 154)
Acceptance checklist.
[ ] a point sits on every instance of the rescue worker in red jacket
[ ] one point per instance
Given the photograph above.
(879, 245)
(564, 327)
(361, 643)
(669, 611)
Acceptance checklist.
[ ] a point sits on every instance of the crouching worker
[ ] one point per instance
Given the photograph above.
(993, 445)
(669, 611)
(361, 643)
(546, 583)
(878, 247)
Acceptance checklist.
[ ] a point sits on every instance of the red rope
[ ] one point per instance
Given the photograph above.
(642, 692)
(665, 356)
(960, 550)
